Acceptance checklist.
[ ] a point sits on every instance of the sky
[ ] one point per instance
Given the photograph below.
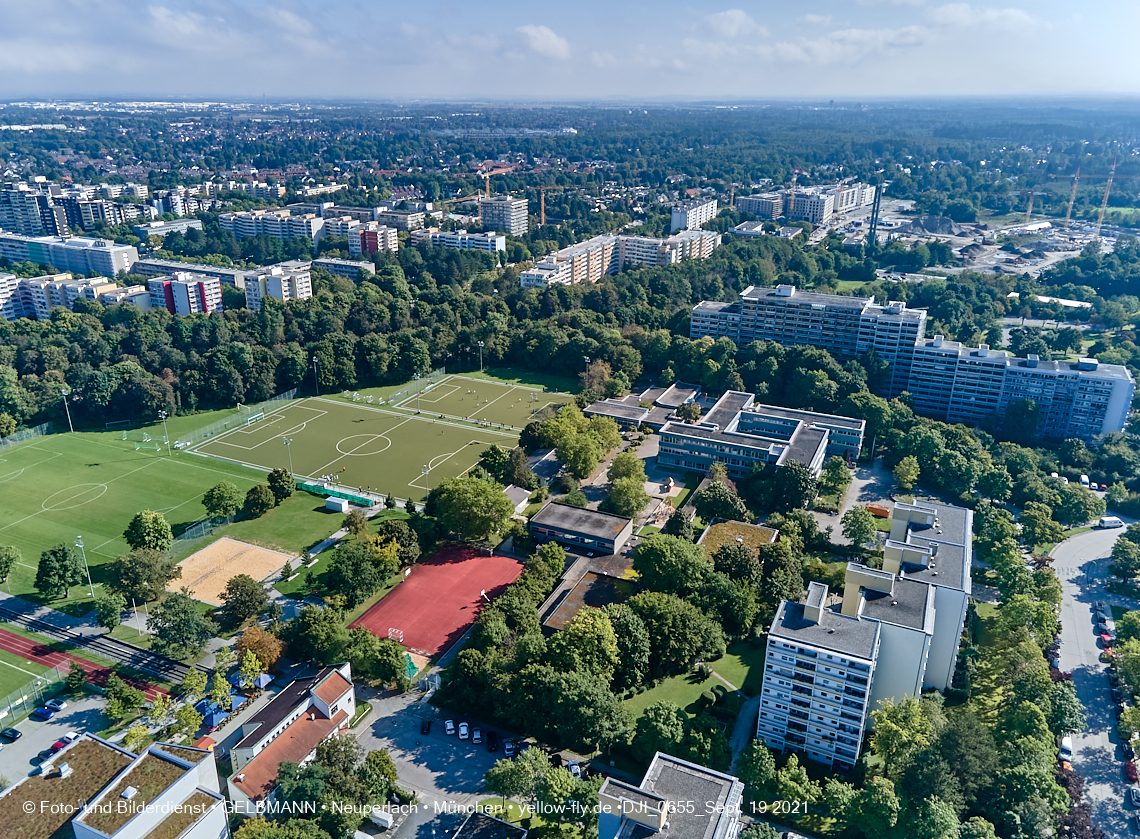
(571, 50)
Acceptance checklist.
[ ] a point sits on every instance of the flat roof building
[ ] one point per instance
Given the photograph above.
(184, 293)
(693, 215)
(161, 228)
(234, 277)
(588, 530)
(460, 240)
(69, 253)
(505, 214)
(350, 268)
(769, 205)
(291, 280)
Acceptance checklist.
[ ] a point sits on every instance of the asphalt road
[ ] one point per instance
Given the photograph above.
(1081, 564)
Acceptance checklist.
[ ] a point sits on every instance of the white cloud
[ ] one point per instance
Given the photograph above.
(544, 41)
(735, 23)
(822, 20)
(848, 46)
(962, 14)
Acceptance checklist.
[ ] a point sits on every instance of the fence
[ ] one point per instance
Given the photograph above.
(34, 692)
(26, 434)
(415, 387)
(235, 421)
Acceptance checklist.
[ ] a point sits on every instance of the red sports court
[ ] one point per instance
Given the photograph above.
(437, 603)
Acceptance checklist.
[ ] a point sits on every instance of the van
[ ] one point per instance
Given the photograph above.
(1109, 522)
(1084, 480)
(1066, 747)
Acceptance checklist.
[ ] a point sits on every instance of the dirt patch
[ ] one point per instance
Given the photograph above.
(207, 571)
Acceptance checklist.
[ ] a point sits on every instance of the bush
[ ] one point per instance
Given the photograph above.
(259, 501)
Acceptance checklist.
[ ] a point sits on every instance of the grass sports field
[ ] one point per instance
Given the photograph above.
(497, 403)
(365, 446)
(60, 486)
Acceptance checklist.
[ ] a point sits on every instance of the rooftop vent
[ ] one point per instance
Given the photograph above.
(240, 777)
(937, 341)
(894, 603)
(129, 793)
(831, 630)
(983, 350)
(1032, 360)
(64, 770)
(785, 290)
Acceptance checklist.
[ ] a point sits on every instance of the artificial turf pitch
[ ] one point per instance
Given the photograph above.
(480, 400)
(384, 450)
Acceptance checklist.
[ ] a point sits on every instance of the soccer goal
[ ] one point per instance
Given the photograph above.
(396, 634)
(252, 418)
(148, 446)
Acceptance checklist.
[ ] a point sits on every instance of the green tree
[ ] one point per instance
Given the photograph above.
(222, 500)
(187, 721)
(180, 630)
(679, 524)
(1128, 626)
(149, 531)
(1125, 559)
(1038, 527)
(756, 768)
(793, 783)
(633, 647)
(1020, 611)
(718, 501)
(1066, 713)
(123, 700)
(109, 607)
(929, 818)
(194, 685)
(794, 486)
(902, 729)
(670, 564)
(876, 809)
(281, 484)
(740, 562)
(9, 556)
(136, 738)
(660, 728)
(259, 828)
(580, 454)
(577, 498)
(977, 828)
(471, 508)
(250, 669)
(627, 465)
(496, 460)
(353, 572)
(519, 778)
(60, 568)
(1078, 505)
(996, 484)
(627, 497)
(836, 476)
(907, 472)
(258, 501)
(142, 575)
(244, 597)
(407, 542)
(318, 635)
(586, 644)
(678, 632)
(858, 526)
(356, 522)
(1116, 495)
(76, 679)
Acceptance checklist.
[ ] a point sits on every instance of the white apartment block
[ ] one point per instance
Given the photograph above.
(35, 297)
(134, 295)
(103, 791)
(505, 214)
(11, 304)
(71, 253)
(1083, 399)
(460, 239)
(161, 267)
(284, 282)
(345, 267)
(589, 261)
(769, 205)
(895, 634)
(276, 224)
(693, 215)
(843, 325)
(853, 196)
(372, 237)
(812, 204)
(400, 219)
(185, 293)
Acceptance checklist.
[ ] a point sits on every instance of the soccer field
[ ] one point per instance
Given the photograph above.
(497, 403)
(364, 446)
(60, 486)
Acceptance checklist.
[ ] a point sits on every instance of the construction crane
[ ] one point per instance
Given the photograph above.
(1073, 191)
(542, 201)
(1104, 202)
(1029, 206)
(792, 194)
(1072, 198)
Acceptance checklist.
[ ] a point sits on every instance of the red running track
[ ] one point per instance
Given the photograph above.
(42, 653)
(437, 603)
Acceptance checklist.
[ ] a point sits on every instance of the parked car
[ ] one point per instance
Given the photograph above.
(58, 745)
(43, 714)
(11, 734)
(477, 735)
(575, 770)
(425, 727)
(1127, 750)
(1134, 796)
(42, 756)
(1130, 772)
(56, 705)
(1117, 696)
(556, 759)
(1105, 641)
(464, 731)
(509, 748)
(449, 727)
(492, 741)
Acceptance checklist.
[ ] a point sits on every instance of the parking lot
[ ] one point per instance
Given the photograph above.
(82, 715)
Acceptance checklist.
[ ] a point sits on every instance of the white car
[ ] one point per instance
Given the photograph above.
(449, 727)
(56, 705)
(70, 737)
(464, 731)
(575, 770)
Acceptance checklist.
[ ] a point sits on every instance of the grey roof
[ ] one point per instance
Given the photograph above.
(579, 520)
(837, 632)
(677, 395)
(950, 567)
(808, 416)
(518, 495)
(622, 790)
(1001, 357)
(280, 707)
(727, 407)
(805, 444)
(652, 394)
(836, 300)
(616, 409)
(681, 782)
(732, 438)
(905, 605)
(715, 306)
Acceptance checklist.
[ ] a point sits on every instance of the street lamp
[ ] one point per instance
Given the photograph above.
(79, 544)
(480, 356)
(287, 441)
(426, 472)
(64, 393)
(587, 358)
(165, 433)
(316, 383)
(419, 390)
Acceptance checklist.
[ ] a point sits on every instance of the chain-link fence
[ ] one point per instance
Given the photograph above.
(412, 388)
(247, 414)
(33, 693)
(25, 435)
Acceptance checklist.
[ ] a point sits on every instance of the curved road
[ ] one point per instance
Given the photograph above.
(1081, 564)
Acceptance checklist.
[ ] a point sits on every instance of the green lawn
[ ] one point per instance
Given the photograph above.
(530, 378)
(15, 672)
(742, 665)
(90, 484)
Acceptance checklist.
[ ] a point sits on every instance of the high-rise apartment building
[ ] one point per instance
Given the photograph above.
(592, 259)
(505, 214)
(460, 239)
(372, 237)
(276, 224)
(184, 293)
(844, 326)
(652, 252)
(31, 212)
(73, 253)
(769, 205)
(1083, 399)
(895, 633)
(286, 281)
(692, 215)
(161, 267)
(809, 204)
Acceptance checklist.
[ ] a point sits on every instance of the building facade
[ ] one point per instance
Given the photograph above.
(69, 253)
(769, 205)
(275, 224)
(286, 281)
(607, 253)
(345, 267)
(505, 214)
(460, 240)
(234, 277)
(590, 530)
(693, 215)
(184, 293)
(373, 237)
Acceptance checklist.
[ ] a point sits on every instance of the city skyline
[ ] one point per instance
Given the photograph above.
(508, 50)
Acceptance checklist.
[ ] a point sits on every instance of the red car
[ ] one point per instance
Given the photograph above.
(1130, 772)
(1105, 641)
(57, 745)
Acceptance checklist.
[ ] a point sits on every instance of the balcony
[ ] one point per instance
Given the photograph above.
(806, 665)
(797, 726)
(799, 703)
(852, 704)
(807, 680)
(856, 680)
(799, 715)
(801, 690)
(797, 739)
(861, 694)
